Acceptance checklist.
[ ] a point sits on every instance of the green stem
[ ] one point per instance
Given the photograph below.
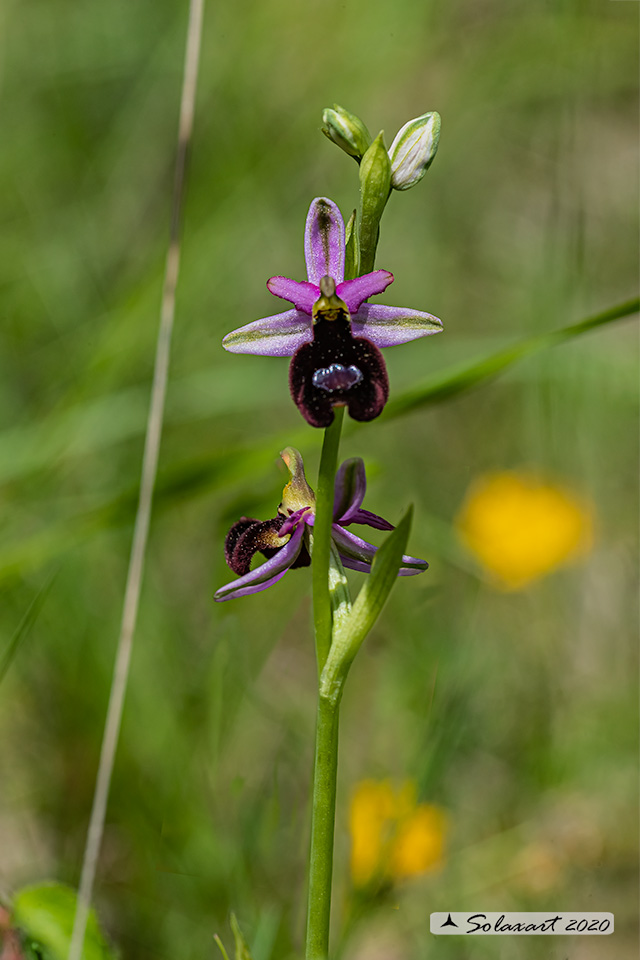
(322, 829)
(369, 236)
(325, 769)
(326, 756)
(322, 538)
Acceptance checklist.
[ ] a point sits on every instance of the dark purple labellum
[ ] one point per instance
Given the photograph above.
(248, 537)
(338, 368)
(239, 528)
(336, 377)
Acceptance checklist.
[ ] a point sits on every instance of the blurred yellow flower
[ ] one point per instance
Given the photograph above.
(521, 528)
(392, 836)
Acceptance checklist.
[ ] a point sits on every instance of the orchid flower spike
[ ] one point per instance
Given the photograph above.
(286, 541)
(332, 334)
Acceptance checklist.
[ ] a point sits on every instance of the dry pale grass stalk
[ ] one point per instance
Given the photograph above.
(147, 484)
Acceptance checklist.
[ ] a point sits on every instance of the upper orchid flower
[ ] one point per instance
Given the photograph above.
(332, 334)
(286, 541)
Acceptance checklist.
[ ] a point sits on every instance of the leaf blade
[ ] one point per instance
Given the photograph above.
(45, 913)
(352, 629)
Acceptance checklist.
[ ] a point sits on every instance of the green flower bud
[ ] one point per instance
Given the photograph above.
(346, 130)
(413, 150)
(375, 187)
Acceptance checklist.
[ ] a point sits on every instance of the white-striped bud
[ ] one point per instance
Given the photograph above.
(413, 150)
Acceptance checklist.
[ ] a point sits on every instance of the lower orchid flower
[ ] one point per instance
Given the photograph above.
(333, 335)
(286, 541)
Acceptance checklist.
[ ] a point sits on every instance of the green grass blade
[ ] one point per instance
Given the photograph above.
(462, 378)
(220, 946)
(24, 626)
(242, 949)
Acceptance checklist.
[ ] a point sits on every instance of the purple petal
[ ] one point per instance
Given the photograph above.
(300, 293)
(387, 326)
(278, 336)
(355, 292)
(232, 594)
(366, 567)
(292, 521)
(351, 564)
(357, 549)
(324, 241)
(267, 573)
(371, 519)
(351, 545)
(349, 490)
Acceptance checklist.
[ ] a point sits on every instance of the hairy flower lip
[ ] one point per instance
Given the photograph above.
(355, 553)
(334, 345)
(267, 574)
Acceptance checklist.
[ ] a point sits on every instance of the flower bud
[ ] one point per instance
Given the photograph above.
(375, 188)
(413, 150)
(346, 130)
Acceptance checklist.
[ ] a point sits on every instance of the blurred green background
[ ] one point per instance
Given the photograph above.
(514, 712)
